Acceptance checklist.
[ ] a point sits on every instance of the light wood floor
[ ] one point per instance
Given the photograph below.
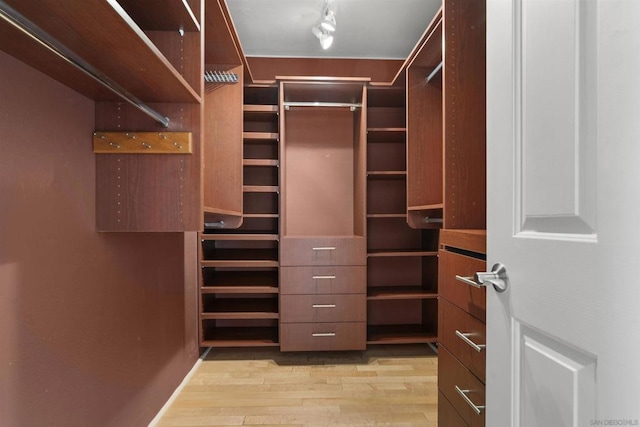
(383, 386)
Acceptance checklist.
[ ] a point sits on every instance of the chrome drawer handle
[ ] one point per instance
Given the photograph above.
(465, 337)
(324, 334)
(323, 277)
(323, 306)
(476, 408)
(324, 248)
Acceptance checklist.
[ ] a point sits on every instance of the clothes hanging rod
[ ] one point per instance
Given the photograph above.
(20, 22)
(352, 106)
(435, 71)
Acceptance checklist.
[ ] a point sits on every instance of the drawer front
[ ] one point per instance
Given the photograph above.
(323, 280)
(453, 321)
(323, 308)
(323, 336)
(447, 415)
(470, 299)
(309, 251)
(452, 373)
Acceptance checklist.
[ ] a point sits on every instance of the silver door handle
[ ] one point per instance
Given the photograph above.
(323, 306)
(323, 277)
(476, 408)
(497, 277)
(465, 337)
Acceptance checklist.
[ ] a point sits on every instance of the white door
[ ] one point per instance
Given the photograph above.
(563, 179)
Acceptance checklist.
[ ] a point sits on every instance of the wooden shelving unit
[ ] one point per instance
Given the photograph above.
(240, 267)
(401, 261)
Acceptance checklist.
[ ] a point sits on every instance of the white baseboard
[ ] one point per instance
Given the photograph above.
(177, 391)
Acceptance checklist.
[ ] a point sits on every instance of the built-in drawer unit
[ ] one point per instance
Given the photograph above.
(327, 251)
(323, 280)
(322, 336)
(464, 336)
(461, 388)
(461, 328)
(452, 268)
(323, 308)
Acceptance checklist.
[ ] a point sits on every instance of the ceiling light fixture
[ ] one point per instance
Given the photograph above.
(327, 26)
(326, 39)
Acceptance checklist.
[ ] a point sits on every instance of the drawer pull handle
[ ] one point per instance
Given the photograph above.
(324, 334)
(465, 337)
(476, 408)
(469, 281)
(324, 248)
(323, 277)
(497, 277)
(323, 306)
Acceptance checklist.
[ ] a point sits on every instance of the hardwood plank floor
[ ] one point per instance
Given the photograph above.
(383, 386)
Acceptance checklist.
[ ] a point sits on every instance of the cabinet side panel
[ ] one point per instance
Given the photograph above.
(464, 122)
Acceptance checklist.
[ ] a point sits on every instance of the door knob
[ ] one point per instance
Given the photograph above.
(497, 277)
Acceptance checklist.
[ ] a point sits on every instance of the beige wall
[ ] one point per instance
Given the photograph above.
(95, 329)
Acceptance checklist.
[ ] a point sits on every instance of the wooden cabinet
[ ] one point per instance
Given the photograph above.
(322, 252)
(402, 265)
(446, 189)
(461, 366)
(240, 266)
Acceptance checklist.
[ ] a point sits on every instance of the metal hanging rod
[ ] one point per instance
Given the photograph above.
(435, 71)
(20, 22)
(351, 106)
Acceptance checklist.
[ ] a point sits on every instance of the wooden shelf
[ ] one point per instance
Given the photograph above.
(260, 162)
(255, 108)
(260, 188)
(167, 15)
(399, 292)
(241, 337)
(89, 31)
(437, 206)
(239, 263)
(387, 215)
(260, 136)
(471, 240)
(239, 254)
(400, 334)
(387, 174)
(401, 253)
(261, 215)
(239, 290)
(240, 236)
(390, 135)
(240, 308)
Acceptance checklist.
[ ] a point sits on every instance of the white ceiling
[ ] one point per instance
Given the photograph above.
(374, 29)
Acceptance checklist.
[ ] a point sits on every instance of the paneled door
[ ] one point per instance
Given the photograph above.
(563, 180)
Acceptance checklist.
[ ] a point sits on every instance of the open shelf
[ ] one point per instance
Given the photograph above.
(239, 336)
(260, 162)
(89, 30)
(260, 188)
(399, 292)
(242, 235)
(401, 253)
(238, 308)
(387, 174)
(387, 135)
(400, 334)
(260, 136)
(166, 15)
